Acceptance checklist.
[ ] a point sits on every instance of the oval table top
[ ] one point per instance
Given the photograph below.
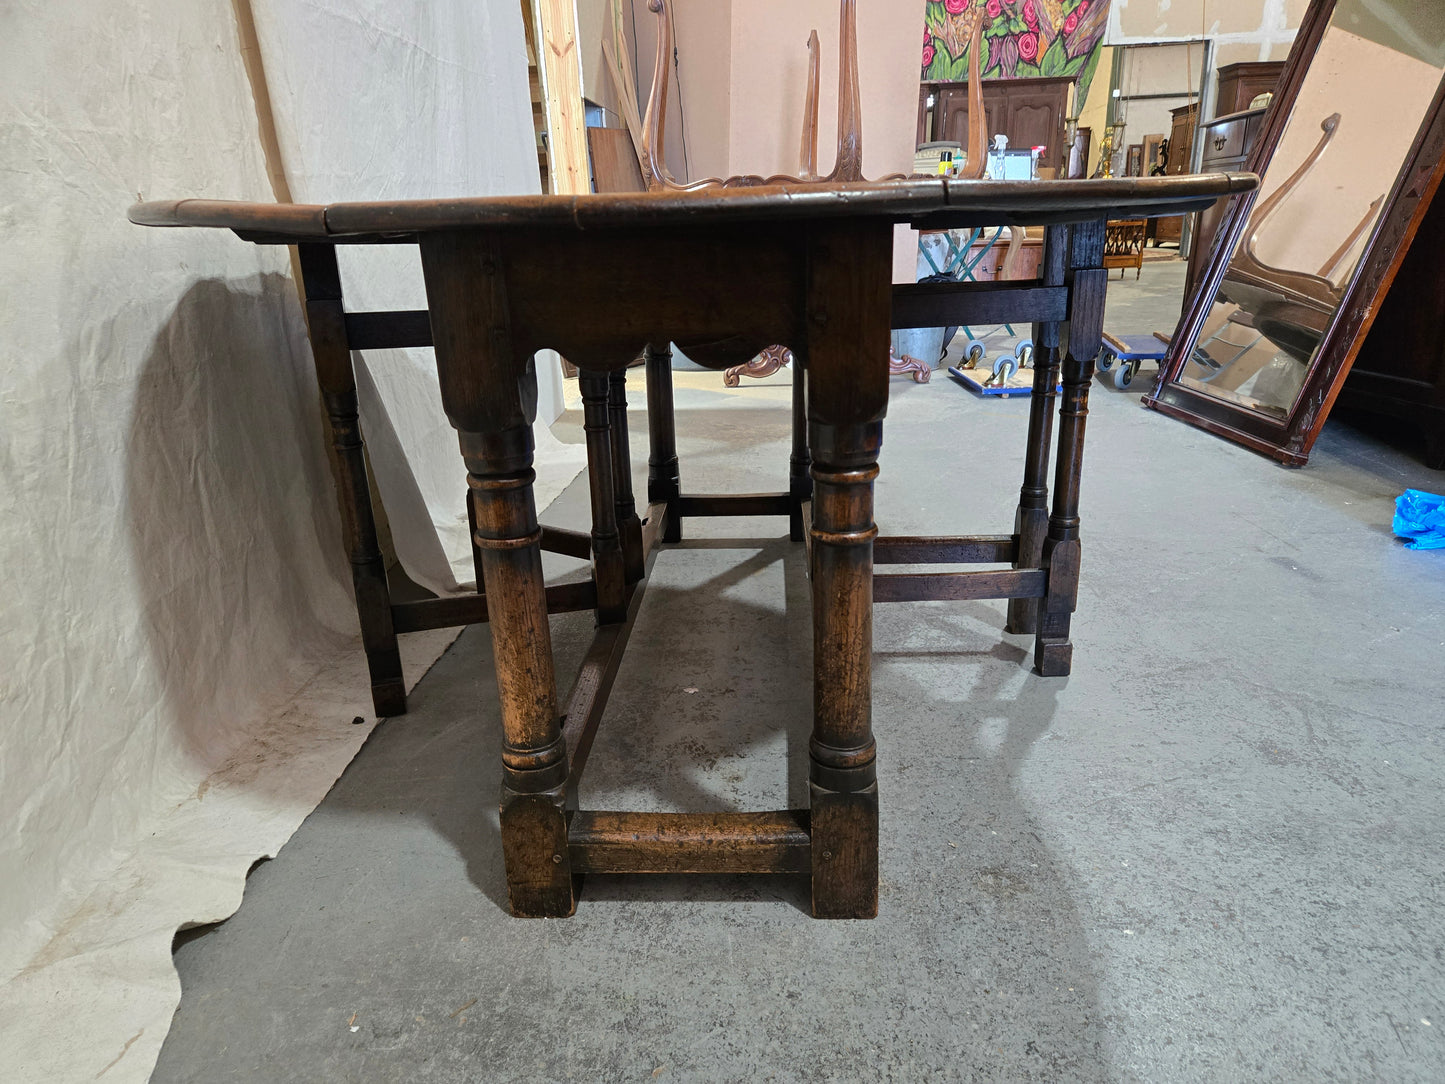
(924, 202)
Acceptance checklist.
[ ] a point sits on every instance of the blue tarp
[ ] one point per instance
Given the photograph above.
(1420, 517)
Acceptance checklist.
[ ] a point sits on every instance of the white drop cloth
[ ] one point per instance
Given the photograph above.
(181, 665)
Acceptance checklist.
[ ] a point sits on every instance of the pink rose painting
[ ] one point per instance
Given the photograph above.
(1071, 22)
(928, 51)
(955, 7)
(994, 8)
(1031, 17)
(1028, 46)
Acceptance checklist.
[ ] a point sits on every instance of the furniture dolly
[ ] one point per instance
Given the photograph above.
(723, 274)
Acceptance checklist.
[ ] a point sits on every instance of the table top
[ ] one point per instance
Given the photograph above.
(926, 202)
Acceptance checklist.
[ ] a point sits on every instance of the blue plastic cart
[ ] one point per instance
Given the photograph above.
(1121, 355)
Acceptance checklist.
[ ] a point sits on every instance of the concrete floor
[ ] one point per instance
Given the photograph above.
(1210, 854)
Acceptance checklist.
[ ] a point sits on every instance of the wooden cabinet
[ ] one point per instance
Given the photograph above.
(1026, 266)
(1029, 111)
(1181, 138)
(1400, 369)
(1227, 143)
(1239, 83)
(1181, 146)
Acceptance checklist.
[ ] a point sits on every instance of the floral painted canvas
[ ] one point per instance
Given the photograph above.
(1022, 39)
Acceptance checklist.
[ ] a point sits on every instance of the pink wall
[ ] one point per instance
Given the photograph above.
(743, 67)
(769, 77)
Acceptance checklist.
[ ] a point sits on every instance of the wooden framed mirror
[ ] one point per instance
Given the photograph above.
(1349, 159)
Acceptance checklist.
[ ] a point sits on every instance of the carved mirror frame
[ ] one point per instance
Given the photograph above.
(1290, 438)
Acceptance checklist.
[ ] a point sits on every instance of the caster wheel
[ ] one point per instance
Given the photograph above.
(1025, 354)
(1106, 360)
(973, 355)
(1003, 368)
(1123, 376)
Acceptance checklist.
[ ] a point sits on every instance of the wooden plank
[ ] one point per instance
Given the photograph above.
(957, 586)
(614, 161)
(388, 330)
(609, 842)
(570, 543)
(955, 550)
(937, 304)
(446, 613)
(735, 504)
(561, 65)
(653, 527)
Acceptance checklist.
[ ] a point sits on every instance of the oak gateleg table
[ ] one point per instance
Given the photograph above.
(724, 274)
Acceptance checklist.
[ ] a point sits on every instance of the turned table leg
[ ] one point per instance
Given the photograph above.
(629, 526)
(1031, 522)
(326, 321)
(849, 310)
(490, 396)
(663, 481)
(608, 569)
(1053, 651)
(534, 756)
(843, 781)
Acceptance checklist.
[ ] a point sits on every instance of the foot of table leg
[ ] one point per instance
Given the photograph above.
(608, 569)
(800, 478)
(843, 779)
(534, 755)
(663, 483)
(845, 852)
(1053, 653)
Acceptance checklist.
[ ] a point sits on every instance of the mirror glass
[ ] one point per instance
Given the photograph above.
(1350, 128)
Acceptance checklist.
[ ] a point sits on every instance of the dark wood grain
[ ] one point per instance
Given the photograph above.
(489, 391)
(948, 201)
(848, 305)
(1031, 521)
(608, 568)
(941, 304)
(571, 543)
(1053, 650)
(1400, 369)
(957, 586)
(629, 525)
(607, 842)
(388, 330)
(963, 549)
(331, 352)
